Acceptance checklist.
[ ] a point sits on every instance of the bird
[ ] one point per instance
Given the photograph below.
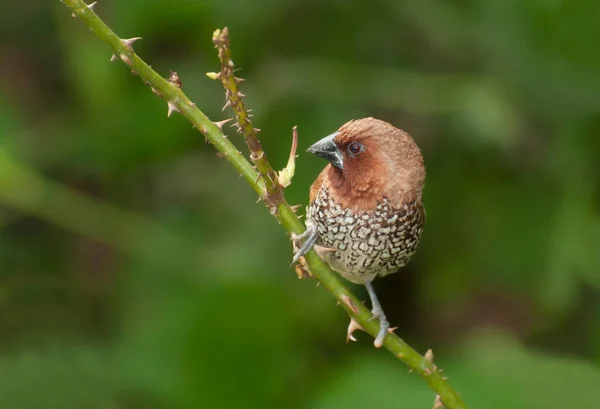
(366, 215)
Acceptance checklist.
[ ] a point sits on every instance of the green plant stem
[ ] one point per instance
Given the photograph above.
(424, 366)
(244, 124)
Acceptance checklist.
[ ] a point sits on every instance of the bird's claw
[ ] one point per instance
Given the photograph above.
(377, 312)
(384, 327)
(311, 236)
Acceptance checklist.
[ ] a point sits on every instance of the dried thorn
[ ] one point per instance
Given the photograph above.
(213, 75)
(219, 155)
(348, 301)
(129, 41)
(351, 328)
(429, 355)
(427, 371)
(438, 404)
(221, 123)
(230, 64)
(156, 92)
(258, 200)
(113, 58)
(227, 104)
(295, 207)
(238, 80)
(300, 272)
(391, 330)
(241, 95)
(171, 108)
(236, 70)
(410, 370)
(257, 130)
(174, 79)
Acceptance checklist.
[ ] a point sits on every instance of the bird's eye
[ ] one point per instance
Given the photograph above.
(355, 148)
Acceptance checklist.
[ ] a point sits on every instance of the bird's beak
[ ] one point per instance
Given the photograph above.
(327, 149)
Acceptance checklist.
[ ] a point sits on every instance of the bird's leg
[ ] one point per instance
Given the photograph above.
(311, 236)
(377, 312)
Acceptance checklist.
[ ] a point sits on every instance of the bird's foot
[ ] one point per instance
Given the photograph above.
(309, 236)
(377, 312)
(384, 326)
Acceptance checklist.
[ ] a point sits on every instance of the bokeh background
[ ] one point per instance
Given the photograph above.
(136, 270)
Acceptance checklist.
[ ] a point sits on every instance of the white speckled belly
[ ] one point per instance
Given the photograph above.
(368, 244)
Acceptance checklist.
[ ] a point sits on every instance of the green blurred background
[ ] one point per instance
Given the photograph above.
(136, 271)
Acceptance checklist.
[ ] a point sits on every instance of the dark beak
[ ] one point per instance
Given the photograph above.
(327, 149)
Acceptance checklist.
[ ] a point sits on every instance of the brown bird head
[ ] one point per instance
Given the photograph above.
(371, 159)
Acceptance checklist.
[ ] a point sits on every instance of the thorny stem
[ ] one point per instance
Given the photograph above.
(234, 98)
(423, 365)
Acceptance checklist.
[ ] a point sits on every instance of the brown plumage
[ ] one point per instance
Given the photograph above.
(366, 211)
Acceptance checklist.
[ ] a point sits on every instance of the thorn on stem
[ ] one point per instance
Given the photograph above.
(353, 326)
(348, 301)
(438, 404)
(221, 123)
(129, 41)
(89, 6)
(171, 108)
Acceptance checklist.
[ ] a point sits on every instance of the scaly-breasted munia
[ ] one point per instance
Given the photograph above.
(366, 210)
